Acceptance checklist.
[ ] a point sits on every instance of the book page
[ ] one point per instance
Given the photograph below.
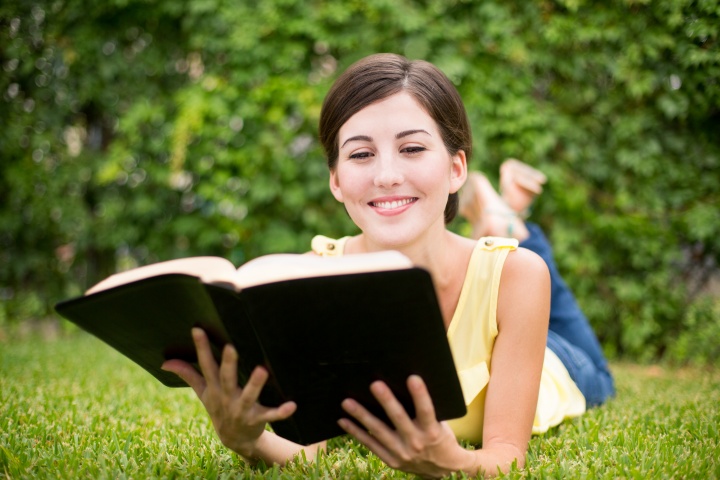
(277, 267)
(208, 269)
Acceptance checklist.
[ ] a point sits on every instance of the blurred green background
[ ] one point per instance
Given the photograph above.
(137, 131)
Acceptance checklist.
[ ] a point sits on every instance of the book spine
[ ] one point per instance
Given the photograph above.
(237, 319)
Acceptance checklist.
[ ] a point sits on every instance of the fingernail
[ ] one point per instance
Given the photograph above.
(231, 351)
(378, 386)
(348, 405)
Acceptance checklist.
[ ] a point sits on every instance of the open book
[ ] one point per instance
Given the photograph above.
(325, 328)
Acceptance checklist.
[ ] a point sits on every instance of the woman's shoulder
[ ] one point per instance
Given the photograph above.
(525, 262)
(524, 285)
(514, 257)
(488, 254)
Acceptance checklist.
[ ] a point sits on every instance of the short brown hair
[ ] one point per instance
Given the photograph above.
(379, 76)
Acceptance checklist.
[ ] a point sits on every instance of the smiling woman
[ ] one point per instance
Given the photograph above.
(397, 141)
(393, 172)
(375, 78)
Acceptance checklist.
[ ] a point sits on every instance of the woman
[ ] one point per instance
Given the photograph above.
(397, 141)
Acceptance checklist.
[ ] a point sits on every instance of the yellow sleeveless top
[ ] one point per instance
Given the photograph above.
(472, 333)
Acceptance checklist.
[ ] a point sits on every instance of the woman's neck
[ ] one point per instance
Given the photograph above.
(426, 251)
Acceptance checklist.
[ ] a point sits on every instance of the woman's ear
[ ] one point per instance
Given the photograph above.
(458, 171)
(335, 185)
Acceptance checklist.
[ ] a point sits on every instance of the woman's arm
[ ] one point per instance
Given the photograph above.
(238, 418)
(427, 447)
(511, 400)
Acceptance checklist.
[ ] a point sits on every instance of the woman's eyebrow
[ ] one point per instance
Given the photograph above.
(410, 132)
(363, 138)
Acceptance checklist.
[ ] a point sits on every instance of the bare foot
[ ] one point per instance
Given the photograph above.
(489, 215)
(520, 184)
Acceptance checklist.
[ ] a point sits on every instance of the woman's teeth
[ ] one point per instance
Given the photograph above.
(394, 204)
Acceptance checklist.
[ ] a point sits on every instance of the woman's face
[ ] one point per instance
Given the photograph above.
(394, 173)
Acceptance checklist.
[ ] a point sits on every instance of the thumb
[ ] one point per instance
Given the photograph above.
(187, 373)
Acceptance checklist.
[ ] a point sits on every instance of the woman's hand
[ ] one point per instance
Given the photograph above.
(422, 446)
(238, 418)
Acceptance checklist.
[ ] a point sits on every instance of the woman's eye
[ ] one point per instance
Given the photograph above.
(360, 155)
(413, 150)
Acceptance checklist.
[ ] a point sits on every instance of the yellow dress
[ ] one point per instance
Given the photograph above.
(472, 333)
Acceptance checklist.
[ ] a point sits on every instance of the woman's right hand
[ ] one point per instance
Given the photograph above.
(238, 418)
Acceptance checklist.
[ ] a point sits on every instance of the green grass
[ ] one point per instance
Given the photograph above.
(74, 408)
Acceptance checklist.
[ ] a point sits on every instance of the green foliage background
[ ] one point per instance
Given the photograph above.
(135, 131)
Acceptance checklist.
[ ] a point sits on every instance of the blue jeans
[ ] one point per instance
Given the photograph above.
(571, 337)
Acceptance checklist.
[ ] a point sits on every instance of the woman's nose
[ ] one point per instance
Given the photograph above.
(388, 172)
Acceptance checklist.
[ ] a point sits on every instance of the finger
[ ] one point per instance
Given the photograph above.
(283, 412)
(380, 430)
(250, 396)
(253, 387)
(424, 408)
(207, 362)
(366, 439)
(393, 408)
(228, 370)
(187, 373)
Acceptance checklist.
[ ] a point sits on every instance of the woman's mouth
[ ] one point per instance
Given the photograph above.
(393, 204)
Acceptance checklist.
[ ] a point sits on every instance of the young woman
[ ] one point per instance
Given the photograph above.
(397, 141)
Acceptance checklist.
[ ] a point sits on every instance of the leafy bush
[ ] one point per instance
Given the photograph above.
(137, 131)
(697, 341)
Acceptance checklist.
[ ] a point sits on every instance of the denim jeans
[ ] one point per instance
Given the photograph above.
(571, 337)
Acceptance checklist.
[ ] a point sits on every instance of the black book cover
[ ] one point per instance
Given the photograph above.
(323, 339)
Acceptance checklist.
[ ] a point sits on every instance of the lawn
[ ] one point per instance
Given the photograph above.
(71, 407)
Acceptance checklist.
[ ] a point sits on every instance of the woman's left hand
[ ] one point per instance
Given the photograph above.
(422, 446)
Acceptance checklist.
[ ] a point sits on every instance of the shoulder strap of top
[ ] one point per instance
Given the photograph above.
(494, 243)
(328, 247)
